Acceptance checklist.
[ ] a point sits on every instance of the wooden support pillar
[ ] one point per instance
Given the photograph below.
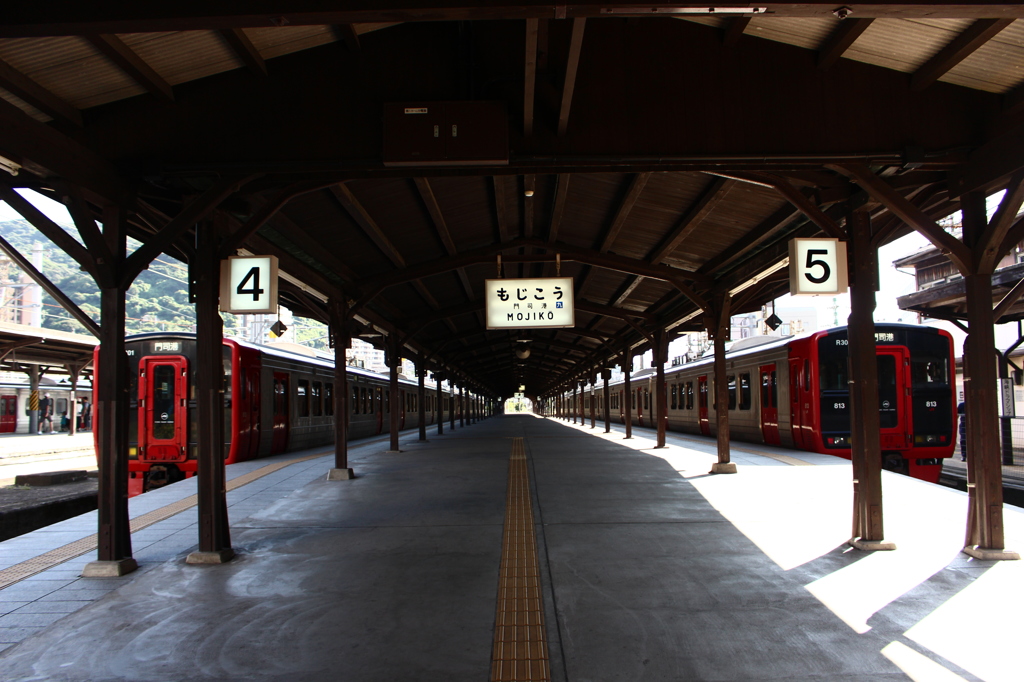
(439, 407)
(421, 397)
(110, 417)
(341, 340)
(985, 537)
(661, 397)
(719, 329)
(110, 413)
(394, 400)
(214, 533)
(866, 448)
(606, 374)
(627, 369)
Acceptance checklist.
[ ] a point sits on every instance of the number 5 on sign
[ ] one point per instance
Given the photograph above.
(817, 266)
(248, 284)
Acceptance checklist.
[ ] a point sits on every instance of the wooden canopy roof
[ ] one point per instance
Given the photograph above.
(666, 154)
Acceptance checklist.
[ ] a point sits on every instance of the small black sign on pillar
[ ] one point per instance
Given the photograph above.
(774, 322)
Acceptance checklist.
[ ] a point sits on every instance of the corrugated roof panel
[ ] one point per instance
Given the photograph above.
(370, 28)
(274, 42)
(71, 68)
(806, 33)
(904, 45)
(182, 56)
(705, 19)
(998, 66)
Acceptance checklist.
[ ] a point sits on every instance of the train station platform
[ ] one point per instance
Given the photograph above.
(642, 567)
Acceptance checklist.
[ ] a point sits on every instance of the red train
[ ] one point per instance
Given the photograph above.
(793, 392)
(276, 400)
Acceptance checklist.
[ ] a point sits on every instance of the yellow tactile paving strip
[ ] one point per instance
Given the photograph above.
(30, 567)
(520, 639)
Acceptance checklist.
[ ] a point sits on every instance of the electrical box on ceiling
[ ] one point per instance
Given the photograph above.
(445, 134)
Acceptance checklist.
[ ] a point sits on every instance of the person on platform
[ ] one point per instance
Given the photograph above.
(86, 415)
(46, 414)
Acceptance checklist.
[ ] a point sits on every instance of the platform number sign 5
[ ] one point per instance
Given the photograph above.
(817, 266)
(248, 284)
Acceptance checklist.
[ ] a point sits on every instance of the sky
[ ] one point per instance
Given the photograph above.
(893, 283)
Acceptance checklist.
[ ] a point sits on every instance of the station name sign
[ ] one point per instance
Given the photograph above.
(529, 303)
(817, 267)
(248, 284)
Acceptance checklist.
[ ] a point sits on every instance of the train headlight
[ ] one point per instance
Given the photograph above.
(929, 439)
(133, 452)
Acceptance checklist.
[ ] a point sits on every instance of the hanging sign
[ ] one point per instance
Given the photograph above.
(817, 266)
(248, 284)
(529, 303)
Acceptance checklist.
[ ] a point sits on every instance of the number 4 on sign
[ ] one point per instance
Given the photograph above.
(248, 284)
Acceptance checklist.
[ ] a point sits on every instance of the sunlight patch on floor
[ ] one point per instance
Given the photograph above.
(917, 666)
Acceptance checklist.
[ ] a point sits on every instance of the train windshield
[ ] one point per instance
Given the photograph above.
(888, 392)
(163, 401)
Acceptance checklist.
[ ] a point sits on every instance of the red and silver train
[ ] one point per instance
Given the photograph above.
(793, 392)
(276, 400)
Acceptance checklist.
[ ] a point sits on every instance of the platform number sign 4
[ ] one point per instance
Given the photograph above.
(248, 284)
(817, 267)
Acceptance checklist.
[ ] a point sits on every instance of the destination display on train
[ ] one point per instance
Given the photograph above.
(529, 303)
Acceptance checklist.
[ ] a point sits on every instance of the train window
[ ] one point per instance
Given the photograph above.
(745, 391)
(164, 401)
(243, 392)
(888, 395)
(302, 397)
(317, 399)
(355, 400)
(702, 399)
(807, 375)
(833, 374)
(647, 399)
(929, 364)
(329, 400)
(674, 396)
(731, 381)
(362, 400)
(765, 390)
(632, 399)
(775, 388)
(689, 395)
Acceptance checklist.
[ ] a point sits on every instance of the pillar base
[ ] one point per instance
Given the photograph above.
(221, 556)
(991, 554)
(394, 452)
(109, 569)
(723, 468)
(871, 545)
(340, 475)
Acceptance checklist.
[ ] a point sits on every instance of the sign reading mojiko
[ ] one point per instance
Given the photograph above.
(248, 284)
(529, 303)
(817, 266)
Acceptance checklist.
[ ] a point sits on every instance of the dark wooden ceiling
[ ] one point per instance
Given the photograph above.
(666, 162)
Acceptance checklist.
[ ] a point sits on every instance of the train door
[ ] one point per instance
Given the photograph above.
(8, 413)
(795, 411)
(893, 389)
(640, 406)
(281, 413)
(702, 405)
(622, 410)
(769, 404)
(378, 404)
(403, 399)
(163, 408)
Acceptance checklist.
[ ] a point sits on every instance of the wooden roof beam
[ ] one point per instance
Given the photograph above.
(714, 194)
(25, 88)
(441, 227)
(369, 226)
(734, 29)
(132, 64)
(244, 50)
(961, 47)
(347, 34)
(839, 42)
(910, 214)
(530, 75)
(571, 67)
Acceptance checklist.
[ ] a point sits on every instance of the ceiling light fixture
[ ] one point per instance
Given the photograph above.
(10, 166)
(683, 10)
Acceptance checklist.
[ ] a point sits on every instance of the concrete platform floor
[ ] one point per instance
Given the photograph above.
(651, 570)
